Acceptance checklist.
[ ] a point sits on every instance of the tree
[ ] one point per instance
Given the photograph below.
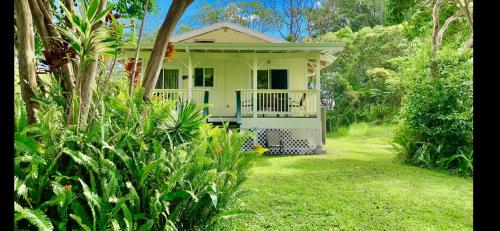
(25, 45)
(175, 11)
(398, 11)
(252, 14)
(331, 15)
(43, 18)
(463, 9)
(291, 16)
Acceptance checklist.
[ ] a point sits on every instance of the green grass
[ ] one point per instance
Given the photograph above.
(358, 185)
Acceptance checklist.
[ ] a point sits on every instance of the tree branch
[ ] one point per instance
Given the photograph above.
(435, 29)
(447, 23)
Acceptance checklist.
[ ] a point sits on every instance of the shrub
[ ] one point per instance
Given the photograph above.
(436, 119)
(130, 170)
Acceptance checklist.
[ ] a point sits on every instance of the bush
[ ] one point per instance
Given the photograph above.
(164, 170)
(436, 119)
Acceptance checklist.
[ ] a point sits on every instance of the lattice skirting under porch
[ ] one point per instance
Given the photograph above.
(285, 140)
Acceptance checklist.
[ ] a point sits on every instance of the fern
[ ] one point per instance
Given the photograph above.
(35, 217)
(79, 221)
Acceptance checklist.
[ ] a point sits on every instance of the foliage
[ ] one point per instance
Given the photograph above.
(85, 38)
(362, 80)
(436, 119)
(134, 8)
(332, 15)
(397, 11)
(252, 14)
(119, 175)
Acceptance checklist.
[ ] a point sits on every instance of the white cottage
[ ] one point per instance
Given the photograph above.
(257, 82)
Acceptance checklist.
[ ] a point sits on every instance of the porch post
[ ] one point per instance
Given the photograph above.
(190, 79)
(254, 104)
(318, 86)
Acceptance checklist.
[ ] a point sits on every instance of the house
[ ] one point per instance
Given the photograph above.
(262, 84)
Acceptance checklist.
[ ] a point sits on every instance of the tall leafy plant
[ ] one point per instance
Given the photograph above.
(89, 40)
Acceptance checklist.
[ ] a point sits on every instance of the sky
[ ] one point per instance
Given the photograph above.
(154, 21)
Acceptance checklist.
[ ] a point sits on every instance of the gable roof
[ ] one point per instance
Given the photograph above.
(204, 30)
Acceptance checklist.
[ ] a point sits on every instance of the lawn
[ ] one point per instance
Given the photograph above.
(358, 185)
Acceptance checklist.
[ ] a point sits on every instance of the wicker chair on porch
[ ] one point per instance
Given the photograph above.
(300, 104)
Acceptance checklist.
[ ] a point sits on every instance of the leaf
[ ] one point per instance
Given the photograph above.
(92, 198)
(150, 168)
(92, 9)
(213, 197)
(101, 15)
(147, 226)
(136, 202)
(82, 159)
(79, 221)
(180, 194)
(35, 217)
(115, 225)
(127, 217)
(24, 143)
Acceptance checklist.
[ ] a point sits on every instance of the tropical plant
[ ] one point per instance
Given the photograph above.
(121, 174)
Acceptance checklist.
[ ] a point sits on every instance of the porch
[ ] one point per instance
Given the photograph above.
(253, 103)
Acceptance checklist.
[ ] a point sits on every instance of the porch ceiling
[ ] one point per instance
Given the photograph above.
(327, 50)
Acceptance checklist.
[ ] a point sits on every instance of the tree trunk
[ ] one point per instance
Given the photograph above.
(137, 50)
(435, 29)
(26, 56)
(85, 91)
(175, 11)
(43, 20)
(87, 80)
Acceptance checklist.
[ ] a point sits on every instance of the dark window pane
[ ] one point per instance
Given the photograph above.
(198, 77)
(209, 81)
(209, 77)
(262, 79)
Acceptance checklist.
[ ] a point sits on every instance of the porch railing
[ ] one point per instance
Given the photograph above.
(276, 103)
(198, 96)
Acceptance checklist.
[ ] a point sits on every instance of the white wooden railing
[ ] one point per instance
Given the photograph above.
(197, 95)
(291, 103)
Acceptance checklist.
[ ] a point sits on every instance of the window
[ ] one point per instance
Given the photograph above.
(271, 79)
(168, 79)
(203, 77)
